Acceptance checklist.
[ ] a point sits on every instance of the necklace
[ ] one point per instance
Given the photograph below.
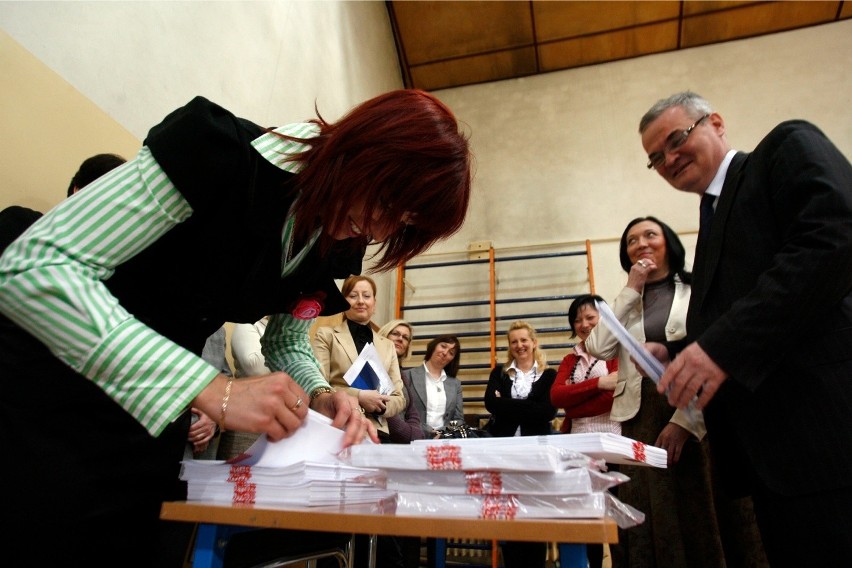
(588, 371)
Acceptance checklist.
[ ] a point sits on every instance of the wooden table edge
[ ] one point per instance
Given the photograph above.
(330, 520)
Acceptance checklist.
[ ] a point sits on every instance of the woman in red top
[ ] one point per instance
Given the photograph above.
(584, 385)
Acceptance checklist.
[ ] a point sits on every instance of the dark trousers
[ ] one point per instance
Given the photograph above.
(84, 476)
(805, 530)
(524, 554)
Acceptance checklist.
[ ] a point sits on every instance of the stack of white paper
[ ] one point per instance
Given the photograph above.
(576, 481)
(449, 455)
(499, 478)
(612, 448)
(608, 447)
(511, 506)
(303, 469)
(303, 484)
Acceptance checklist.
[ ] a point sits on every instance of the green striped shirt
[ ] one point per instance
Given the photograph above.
(51, 284)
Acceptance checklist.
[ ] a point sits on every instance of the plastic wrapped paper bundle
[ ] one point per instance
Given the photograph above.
(499, 478)
(301, 484)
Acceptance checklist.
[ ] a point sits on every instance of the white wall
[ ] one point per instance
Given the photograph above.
(80, 78)
(266, 60)
(558, 156)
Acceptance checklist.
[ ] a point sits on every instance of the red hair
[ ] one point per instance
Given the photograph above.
(404, 152)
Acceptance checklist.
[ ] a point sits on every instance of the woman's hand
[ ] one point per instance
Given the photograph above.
(372, 401)
(672, 439)
(608, 382)
(272, 404)
(346, 414)
(201, 431)
(639, 272)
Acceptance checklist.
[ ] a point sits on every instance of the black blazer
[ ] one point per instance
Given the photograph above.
(772, 305)
(534, 414)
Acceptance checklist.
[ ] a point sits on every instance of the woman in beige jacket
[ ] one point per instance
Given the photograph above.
(336, 348)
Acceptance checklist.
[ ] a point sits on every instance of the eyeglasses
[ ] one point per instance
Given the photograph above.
(406, 338)
(675, 141)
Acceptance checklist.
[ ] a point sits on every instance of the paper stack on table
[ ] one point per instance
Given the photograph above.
(303, 470)
(503, 478)
(605, 446)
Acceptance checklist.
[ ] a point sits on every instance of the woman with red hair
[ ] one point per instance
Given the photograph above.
(114, 292)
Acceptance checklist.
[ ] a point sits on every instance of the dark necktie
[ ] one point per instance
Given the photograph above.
(706, 208)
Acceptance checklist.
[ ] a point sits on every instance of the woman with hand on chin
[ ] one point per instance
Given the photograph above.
(518, 398)
(680, 527)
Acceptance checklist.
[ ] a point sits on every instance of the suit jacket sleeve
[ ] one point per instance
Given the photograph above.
(406, 427)
(321, 344)
(458, 407)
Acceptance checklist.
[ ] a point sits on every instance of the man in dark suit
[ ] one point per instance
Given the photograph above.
(769, 346)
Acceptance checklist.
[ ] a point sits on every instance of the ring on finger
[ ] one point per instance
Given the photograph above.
(299, 402)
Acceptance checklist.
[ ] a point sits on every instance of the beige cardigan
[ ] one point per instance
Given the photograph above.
(602, 344)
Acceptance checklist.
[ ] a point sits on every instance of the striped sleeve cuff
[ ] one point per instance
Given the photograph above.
(286, 347)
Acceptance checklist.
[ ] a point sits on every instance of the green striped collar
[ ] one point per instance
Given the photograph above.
(276, 149)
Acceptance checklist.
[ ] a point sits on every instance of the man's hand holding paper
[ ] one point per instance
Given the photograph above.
(649, 360)
(692, 374)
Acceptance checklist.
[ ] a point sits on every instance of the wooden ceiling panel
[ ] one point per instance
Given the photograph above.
(443, 44)
(495, 66)
(612, 46)
(754, 20)
(563, 20)
(434, 31)
(695, 7)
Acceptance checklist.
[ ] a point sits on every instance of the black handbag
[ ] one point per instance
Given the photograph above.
(458, 429)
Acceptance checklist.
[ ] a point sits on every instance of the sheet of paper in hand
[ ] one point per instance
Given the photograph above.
(317, 441)
(368, 372)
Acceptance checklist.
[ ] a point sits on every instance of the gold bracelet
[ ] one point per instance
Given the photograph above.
(225, 404)
(320, 390)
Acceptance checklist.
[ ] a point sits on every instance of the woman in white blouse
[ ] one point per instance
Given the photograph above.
(437, 392)
(518, 398)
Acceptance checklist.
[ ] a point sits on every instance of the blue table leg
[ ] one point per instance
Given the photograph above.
(210, 541)
(207, 553)
(440, 553)
(573, 556)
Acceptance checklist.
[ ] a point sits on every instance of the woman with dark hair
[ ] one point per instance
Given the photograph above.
(584, 384)
(436, 392)
(680, 526)
(115, 291)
